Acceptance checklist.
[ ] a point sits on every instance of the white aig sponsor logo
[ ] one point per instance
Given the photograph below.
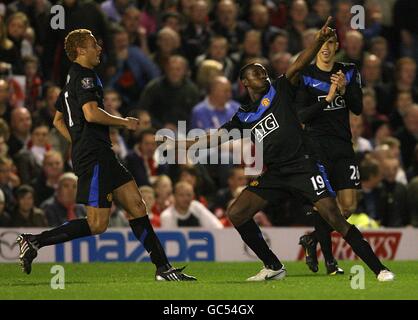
(337, 103)
(264, 127)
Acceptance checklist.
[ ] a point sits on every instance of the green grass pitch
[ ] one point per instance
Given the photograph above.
(216, 280)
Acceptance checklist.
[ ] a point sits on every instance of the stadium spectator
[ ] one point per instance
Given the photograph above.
(148, 194)
(47, 182)
(114, 9)
(163, 188)
(409, 135)
(196, 176)
(218, 51)
(402, 103)
(21, 122)
(5, 218)
(29, 159)
(404, 81)
(46, 112)
(371, 72)
(118, 217)
(298, 14)
(33, 83)
(112, 102)
(8, 181)
(62, 206)
(393, 196)
(360, 144)
(217, 107)
(320, 14)
(137, 33)
(196, 34)
(170, 98)
(413, 201)
(206, 72)
(236, 179)
(251, 49)
(151, 15)
(412, 170)
(379, 47)
(187, 212)
(343, 20)
(279, 43)
(260, 21)
(25, 213)
(142, 161)
(17, 23)
(5, 105)
(145, 122)
(370, 115)
(168, 44)
(352, 51)
(9, 55)
(118, 143)
(368, 195)
(4, 136)
(129, 69)
(227, 25)
(280, 62)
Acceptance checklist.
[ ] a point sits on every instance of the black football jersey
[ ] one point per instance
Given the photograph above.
(88, 139)
(323, 119)
(274, 123)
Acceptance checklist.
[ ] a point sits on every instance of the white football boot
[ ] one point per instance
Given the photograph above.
(269, 274)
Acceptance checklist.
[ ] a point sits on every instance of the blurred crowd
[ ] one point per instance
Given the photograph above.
(170, 60)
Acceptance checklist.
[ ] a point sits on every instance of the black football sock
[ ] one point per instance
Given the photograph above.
(323, 234)
(252, 236)
(144, 232)
(68, 231)
(362, 248)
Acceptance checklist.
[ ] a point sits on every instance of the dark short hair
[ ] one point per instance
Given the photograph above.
(143, 133)
(248, 67)
(368, 168)
(23, 190)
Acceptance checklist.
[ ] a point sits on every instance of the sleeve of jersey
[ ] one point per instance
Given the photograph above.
(353, 94)
(87, 88)
(305, 112)
(58, 103)
(234, 123)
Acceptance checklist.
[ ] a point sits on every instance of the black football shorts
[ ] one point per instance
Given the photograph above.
(96, 184)
(304, 179)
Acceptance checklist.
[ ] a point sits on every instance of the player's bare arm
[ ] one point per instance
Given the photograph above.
(309, 53)
(59, 123)
(94, 114)
(201, 142)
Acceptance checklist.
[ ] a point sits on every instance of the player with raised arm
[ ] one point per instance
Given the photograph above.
(81, 119)
(290, 168)
(324, 110)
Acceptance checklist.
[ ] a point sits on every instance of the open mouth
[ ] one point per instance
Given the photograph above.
(325, 53)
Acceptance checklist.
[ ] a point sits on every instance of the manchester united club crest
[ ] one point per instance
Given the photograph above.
(265, 102)
(109, 197)
(254, 183)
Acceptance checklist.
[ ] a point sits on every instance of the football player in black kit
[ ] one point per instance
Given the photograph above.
(324, 112)
(81, 119)
(290, 169)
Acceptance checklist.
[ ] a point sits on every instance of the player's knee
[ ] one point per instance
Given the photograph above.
(98, 226)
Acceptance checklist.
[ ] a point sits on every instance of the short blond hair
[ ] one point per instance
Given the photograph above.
(76, 39)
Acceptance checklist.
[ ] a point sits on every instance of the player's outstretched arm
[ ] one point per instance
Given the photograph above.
(59, 123)
(201, 142)
(309, 53)
(94, 114)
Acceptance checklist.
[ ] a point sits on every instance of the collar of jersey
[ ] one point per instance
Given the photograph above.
(248, 117)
